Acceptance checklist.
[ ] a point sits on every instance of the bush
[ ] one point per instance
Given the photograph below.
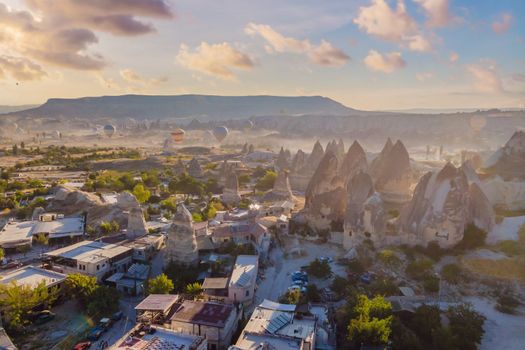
(389, 257)
(291, 297)
(451, 273)
(372, 324)
(431, 283)
(507, 303)
(473, 237)
(320, 269)
(385, 287)
(419, 268)
(159, 285)
(467, 326)
(339, 286)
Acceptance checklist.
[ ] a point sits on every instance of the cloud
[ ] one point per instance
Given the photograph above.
(61, 33)
(502, 24)
(393, 25)
(386, 63)
(218, 60)
(324, 54)
(424, 76)
(485, 78)
(132, 77)
(437, 12)
(20, 69)
(453, 57)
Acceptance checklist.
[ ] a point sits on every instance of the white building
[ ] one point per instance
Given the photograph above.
(32, 277)
(90, 258)
(241, 287)
(276, 326)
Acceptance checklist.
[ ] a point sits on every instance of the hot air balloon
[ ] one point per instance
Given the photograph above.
(178, 135)
(220, 133)
(109, 130)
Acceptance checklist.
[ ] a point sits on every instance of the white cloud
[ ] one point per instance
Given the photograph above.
(218, 60)
(324, 54)
(386, 63)
(132, 77)
(437, 12)
(424, 76)
(20, 68)
(502, 24)
(394, 25)
(453, 57)
(485, 78)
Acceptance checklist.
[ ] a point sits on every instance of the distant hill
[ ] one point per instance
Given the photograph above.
(10, 109)
(203, 107)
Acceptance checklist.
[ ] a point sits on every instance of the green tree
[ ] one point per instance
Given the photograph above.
(141, 193)
(466, 325)
(194, 289)
(103, 301)
(319, 268)
(291, 297)
(266, 182)
(451, 273)
(473, 237)
(2, 253)
(81, 287)
(389, 258)
(426, 321)
(373, 322)
(159, 285)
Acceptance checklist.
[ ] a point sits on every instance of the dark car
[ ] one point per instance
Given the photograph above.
(95, 333)
(82, 345)
(117, 316)
(12, 265)
(44, 316)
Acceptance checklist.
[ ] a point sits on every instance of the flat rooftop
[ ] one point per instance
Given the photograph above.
(215, 283)
(244, 271)
(60, 227)
(87, 251)
(162, 339)
(203, 313)
(253, 341)
(157, 302)
(32, 276)
(16, 232)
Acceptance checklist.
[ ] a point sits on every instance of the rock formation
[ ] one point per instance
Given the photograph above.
(392, 172)
(505, 194)
(442, 206)
(181, 244)
(136, 224)
(298, 161)
(194, 168)
(251, 148)
(245, 148)
(353, 162)
(509, 161)
(314, 158)
(230, 192)
(283, 160)
(325, 197)
(179, 168)
(281, 188)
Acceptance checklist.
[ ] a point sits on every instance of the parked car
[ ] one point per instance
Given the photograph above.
(299, 275)
(105, 323)
(43, 316)
(82, 345)
(12, 265)
(117, 316)
(95, 333)
(297, 287)
(326, 258)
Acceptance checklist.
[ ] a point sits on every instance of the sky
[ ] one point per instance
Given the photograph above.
(366, 54)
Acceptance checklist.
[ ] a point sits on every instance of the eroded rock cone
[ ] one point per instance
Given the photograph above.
(283, 160)
(281, 189)
(194, 168)
(136, 224)
(179, 168)
(509, 161)
(181, 244)
(442, 206)
(353, 163)
(392, 172)
(230, 192)
(299, 160)
(314, 158)
(323, 179)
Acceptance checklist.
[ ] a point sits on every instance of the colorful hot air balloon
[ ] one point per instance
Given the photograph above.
(178, 135)
(220, 133)
(109, 130)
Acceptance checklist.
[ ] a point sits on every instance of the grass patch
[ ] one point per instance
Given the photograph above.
(510, 269)
(509, 213)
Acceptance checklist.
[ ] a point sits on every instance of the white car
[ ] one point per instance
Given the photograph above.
(297, 287)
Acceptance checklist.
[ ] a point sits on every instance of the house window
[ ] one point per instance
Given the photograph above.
(247, 293)
(98, 267)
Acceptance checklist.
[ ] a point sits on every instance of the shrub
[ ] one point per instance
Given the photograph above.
(431, 283)
(319, 268)
(473, 237)
(419, 268)
(507, 303)
(451, 273)
(384, 286)
(511, 248)
(389, 257)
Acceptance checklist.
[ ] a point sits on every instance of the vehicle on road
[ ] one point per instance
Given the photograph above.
(43, 316)
(82, 345)
(297, 287)
(117, 316)
(95, 333)
(12, 265)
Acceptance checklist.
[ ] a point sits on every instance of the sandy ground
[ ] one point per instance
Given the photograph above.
(277, 277)
(502, 331)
